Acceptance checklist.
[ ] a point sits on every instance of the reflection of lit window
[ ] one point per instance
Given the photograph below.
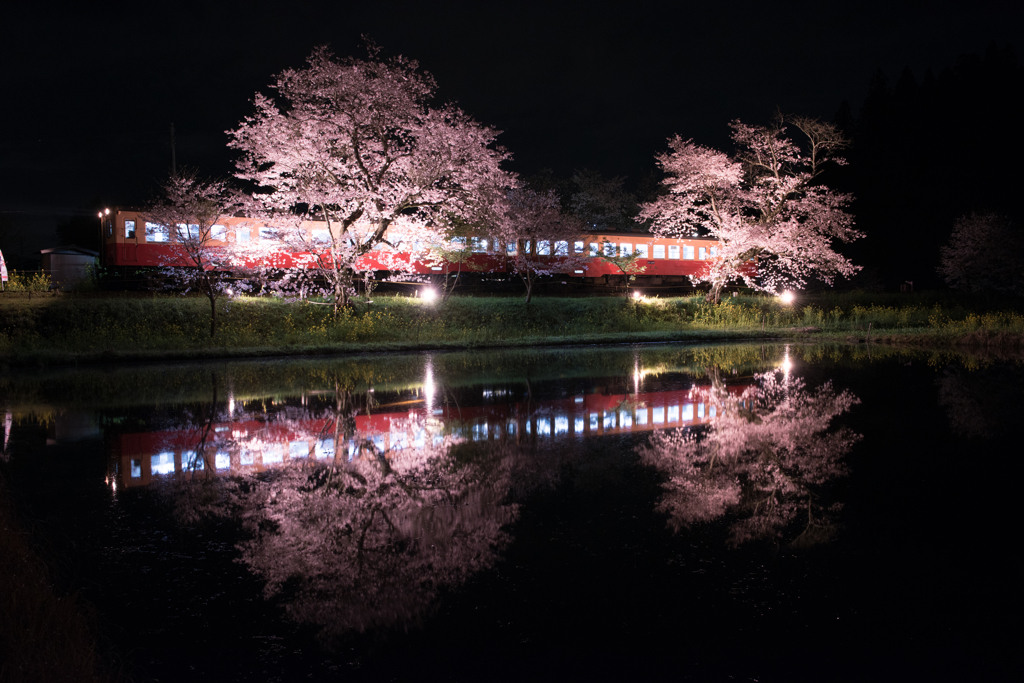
(688, 412)
(609, 420)
(700, 410)
(162, 463)
(561, 425)
(479, 432)
(136, 469)
(543, 426)
(593, 420)
(247, 457)
(625, 419)
(673, 413)
(659, 416)
(578, 425)
(378, 440)
(298, 449)
(641, 416)
(273, 452)
(223, 460)
(510, 428)
(325, 448)
(192, 461)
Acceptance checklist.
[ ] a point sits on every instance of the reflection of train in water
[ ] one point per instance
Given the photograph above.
(130, 242)
(249, 444)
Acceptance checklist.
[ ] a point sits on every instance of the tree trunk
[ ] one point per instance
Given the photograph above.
(213, 314)
(715, 293)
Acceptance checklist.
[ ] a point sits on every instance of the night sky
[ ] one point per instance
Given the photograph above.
(90, 94)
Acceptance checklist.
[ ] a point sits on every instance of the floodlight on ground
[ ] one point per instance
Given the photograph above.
(787, 297)
(428, 294)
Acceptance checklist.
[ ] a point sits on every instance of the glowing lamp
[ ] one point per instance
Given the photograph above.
(428, 294)
(786, 297)
(637, 295)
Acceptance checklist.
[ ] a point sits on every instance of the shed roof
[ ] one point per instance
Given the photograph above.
(70, 249)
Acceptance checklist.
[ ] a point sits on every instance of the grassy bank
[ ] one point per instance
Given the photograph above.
(75, 329)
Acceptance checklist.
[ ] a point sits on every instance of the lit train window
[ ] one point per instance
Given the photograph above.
(218, 232)
(156, 232)
(659, 251)
(673, 251)
(242, 235)
(186, 232)
(595, 248)
(561, 248)
(609, 249)
(625, 249)
(478, 245)
(322, 236)
(268, 233)
(641, 250)
(579, 247)
(700, 410)
(543, 248)
(129, 229)
(688, 253)
(702, 253)
(714, 252)
(510, 248)
(712, 410)
(529, 247)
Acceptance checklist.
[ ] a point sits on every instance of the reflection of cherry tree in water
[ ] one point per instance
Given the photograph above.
(369, 536)
(765, 457)
(370, 541)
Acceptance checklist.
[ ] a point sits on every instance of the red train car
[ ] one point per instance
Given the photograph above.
(130, 241)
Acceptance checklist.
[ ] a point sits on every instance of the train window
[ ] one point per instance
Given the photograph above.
(659, 251)
(625, 249)
(543, 248)
(129, 229)
(479, 245)
(595, 248)
(609, 249)
(322, 236)
(528, 247)
(673, 251)
(713, 251)
(218, 232)
(242, 235)
(641, 250)
(268, 233)
(702, 253)
(186, 232)
(510, 248)
(578, 247)
(688, 252)
(156, 232)
(561, 248)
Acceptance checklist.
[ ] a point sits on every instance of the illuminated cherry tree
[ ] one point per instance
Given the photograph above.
(765, 458)
(189, 208)
(984, 253)
(766, 205)
(355, 144)
(539, 239)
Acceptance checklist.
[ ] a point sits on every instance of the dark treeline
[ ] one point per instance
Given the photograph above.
(926, 151)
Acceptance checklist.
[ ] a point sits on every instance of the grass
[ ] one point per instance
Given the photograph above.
(47, 330)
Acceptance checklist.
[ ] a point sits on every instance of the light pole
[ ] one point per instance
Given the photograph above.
(100, 215)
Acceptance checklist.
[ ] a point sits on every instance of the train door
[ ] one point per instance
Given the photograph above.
(130, 246)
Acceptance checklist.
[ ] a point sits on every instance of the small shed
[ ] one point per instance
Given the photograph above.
(68, 266)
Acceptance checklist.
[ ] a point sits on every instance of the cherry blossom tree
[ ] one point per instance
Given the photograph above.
(189, 208)
(355, 144)
(539, 238)
(984, 253)
(765, 457)
(766, 204)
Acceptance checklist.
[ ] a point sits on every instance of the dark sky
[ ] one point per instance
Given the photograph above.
(90, 93)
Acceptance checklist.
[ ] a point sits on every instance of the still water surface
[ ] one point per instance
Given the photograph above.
(680, 513)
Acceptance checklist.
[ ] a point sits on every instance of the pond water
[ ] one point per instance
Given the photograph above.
(663, 512)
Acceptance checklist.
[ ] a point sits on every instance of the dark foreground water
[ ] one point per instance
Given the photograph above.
(654, 513)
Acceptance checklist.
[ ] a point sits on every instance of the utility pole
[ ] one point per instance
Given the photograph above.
(174, 162)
